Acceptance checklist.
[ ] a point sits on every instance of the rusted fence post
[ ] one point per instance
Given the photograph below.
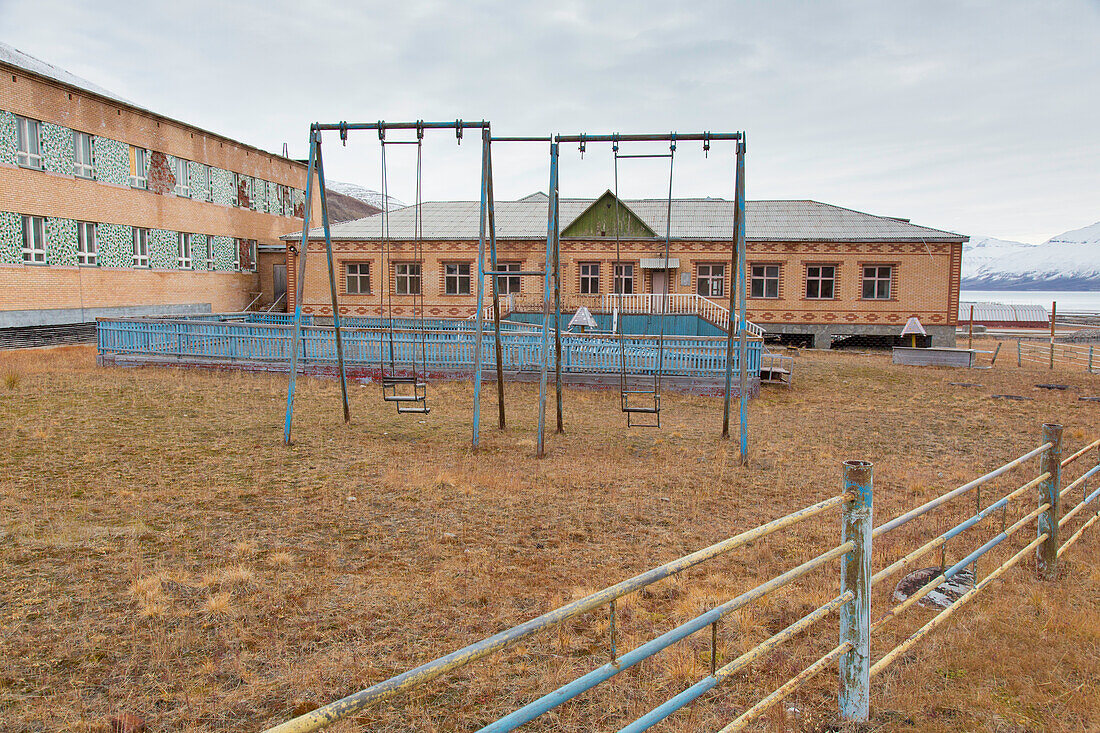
(1049, 491)
(855, 576)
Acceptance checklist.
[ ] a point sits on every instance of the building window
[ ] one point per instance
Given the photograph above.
(85, 243)
(820, 281)
(624, 279)
(456, 278)
(28, 151)
(876, 281)
(83, 164)
(184, 247)
(508, 285)
(407, 275)
(590, 278)
(141, 247)
(139, 167)
(764, 282)
(710, 280)
(183, 182)
(209, 252)
(357, 275)
(34, 240)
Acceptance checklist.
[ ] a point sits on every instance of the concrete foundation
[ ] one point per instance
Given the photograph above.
(823, 334)
(62, 316)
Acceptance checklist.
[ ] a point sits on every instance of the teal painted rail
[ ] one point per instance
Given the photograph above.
(437, 349)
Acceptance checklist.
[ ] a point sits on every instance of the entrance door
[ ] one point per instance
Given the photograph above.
(278, 277)
(659, 285)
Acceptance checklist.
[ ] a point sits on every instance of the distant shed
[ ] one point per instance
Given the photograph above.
(1004, 315)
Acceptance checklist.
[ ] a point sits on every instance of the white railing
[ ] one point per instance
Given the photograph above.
(675, 303)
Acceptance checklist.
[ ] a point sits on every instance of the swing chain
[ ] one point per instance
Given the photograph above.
(458, 131)
(381, 131)
(419, 130)
(581, 144)
(344, 132)
(706, 144)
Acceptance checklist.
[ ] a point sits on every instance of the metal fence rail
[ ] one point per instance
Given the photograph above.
(1082, 356)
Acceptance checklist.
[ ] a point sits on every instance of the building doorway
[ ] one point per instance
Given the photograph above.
(278, 279)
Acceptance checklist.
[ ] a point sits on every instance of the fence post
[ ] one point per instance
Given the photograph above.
(855, 576)
(1019, 361)
(1049, 490)
(1090, 359)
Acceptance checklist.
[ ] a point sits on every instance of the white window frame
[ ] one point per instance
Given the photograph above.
(624, 274)
(881, 285)
(183, 179)
(209, 252)
(815, 274)
(253, 254)
(28, 131)
(357, 273)
(237, 254)
(34, 240)
(140, 245)
(456, 278)
(83, 155)
(140, 177)
(509, 284)
(183, 251)
(712, 282)
(406, 275)
(87, 244)
(766, 275)
(589, 278)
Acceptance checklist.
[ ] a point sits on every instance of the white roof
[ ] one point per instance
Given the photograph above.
(583, 317)
(913, 326)
(15, 57)
(706, 219)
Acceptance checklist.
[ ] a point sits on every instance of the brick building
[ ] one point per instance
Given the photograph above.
(816, 271)
(110, 209)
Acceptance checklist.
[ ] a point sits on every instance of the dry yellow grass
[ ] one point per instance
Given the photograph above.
(161, 553)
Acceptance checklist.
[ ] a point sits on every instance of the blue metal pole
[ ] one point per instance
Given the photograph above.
(332, 279)
(742, 356)
(299, 289)
(544, 354)
(855, 576)
(478, 330)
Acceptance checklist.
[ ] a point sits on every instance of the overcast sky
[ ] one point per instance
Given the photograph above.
(979, 117)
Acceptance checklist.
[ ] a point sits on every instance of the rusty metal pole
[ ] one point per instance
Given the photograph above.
(743, 319)
(554, 203)
(855, 577)
(1049, 493)
(299, 287)
(970, 340)
(332, 279)
(733, 306)
(1053, 315)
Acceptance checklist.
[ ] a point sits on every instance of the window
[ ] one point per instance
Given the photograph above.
(710, 280)
(508, 285)
(139, 168)
(28, 151)
(209, 252)
(141, 247)
(624, 279)
(357, 275)
(408, 278)
(85, 243)
(184, 246)
(237, 254)
(764, 282)
(590, 278)
(34, 239)
(456, 278)
(83, 164)
(820, 281)
(183, 182)
(876, 281)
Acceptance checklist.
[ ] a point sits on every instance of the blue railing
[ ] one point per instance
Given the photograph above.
(246, 340)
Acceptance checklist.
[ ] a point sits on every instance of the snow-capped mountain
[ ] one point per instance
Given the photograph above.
(1069, 261)
(364, 194)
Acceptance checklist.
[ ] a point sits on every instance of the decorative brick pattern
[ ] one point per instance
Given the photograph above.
(11, 237)
(225, 254)
(60, 241)
(57, 148)
(163, 250)
(112, 161)
(114, 245)
(7, 138)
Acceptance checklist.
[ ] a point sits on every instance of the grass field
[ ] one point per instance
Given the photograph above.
(163, 554)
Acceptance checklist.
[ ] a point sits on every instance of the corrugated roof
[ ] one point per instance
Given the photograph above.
(703, 219)
(15, 57)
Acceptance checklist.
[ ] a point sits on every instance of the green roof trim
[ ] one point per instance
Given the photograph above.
(598, 220)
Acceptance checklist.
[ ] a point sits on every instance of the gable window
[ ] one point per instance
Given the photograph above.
(876, 281)
(407, 275)
(34, 240)
(184, 247)
(456, 278)
(85, 243)
(209, 252)
(83, 164)
(624, 279)
(139, 167)
(141, 247)
(508, 285)
(183, 183)
(821, 281)
(710, 280)
(590, 278)
(357, 277)
(28, 151)
(764, 282)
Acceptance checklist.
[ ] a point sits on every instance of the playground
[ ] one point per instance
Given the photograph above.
(166, 556)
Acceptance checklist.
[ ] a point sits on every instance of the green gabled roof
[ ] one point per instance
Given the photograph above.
(598, 220)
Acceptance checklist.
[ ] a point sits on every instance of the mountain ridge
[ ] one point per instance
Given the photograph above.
(1067, 261)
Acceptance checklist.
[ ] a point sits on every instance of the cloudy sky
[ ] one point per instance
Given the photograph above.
(979, 117)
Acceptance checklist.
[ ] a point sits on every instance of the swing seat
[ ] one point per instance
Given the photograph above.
(635, 411)
(396, 389)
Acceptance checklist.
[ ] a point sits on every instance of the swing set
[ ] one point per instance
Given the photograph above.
(640, 394)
